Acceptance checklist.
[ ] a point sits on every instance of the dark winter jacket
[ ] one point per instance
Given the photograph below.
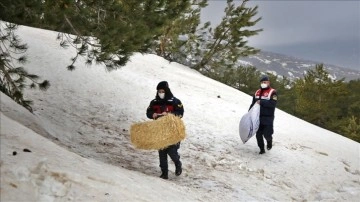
(268, 99)
(169, 105)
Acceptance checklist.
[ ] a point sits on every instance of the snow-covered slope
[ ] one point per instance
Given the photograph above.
(35, 169)
(89, 112)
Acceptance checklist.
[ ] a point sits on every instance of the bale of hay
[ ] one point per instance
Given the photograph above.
(157, 134)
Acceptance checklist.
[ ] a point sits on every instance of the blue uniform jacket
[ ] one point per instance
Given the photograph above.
(268, 100)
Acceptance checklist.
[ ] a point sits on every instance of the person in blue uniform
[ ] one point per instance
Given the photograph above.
(165, 103)
(266, 97)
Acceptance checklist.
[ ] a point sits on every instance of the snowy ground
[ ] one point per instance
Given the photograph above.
(87, 113)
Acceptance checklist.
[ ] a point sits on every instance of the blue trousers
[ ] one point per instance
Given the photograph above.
(264, 131)
(172, 151)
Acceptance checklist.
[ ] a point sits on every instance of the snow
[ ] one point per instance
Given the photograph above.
(80, 148)
(272, 72)
(306, 65)
(244, 63)
(262, 60)
(290, 74)
(50, 173)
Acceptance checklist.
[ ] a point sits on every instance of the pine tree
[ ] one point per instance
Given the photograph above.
(351, 128)
(351, 103)
(181, 38)
(13, 78)
(228, 41)
(286, 94)
(317, 96)
(105, 31)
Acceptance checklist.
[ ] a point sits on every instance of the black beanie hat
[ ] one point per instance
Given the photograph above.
(264, 78)
(162, 85)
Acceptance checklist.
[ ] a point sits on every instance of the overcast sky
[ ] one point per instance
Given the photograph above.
(325, 31)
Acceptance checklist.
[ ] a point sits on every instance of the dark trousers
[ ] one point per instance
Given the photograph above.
(172, 151)
(265, 131)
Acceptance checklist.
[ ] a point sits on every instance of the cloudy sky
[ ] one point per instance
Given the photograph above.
(324, 31)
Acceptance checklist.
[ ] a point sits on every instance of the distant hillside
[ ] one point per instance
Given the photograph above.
(292, 67)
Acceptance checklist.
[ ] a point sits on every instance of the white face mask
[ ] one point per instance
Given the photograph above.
(161, 95)
(264, 85)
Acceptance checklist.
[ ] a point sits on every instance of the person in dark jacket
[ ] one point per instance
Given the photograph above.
(266, 97)
(165, 103)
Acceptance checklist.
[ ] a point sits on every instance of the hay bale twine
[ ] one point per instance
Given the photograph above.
(157, 134)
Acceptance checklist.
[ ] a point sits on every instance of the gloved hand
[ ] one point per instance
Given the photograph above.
(156, 115)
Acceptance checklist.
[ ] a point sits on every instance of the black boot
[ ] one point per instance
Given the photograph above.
(178, 169)
(164, 174)
(269, 145)
(262, 151)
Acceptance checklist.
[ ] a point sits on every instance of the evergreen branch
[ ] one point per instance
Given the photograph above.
(71, 25)
(8, 77)
(44, 85)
